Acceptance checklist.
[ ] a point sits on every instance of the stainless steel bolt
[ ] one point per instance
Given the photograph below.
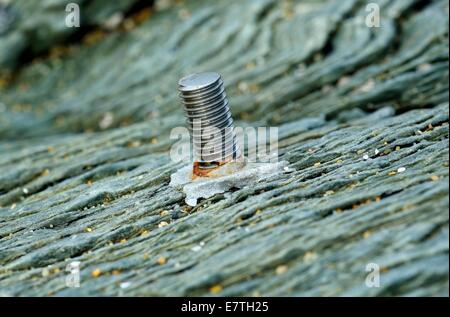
(209, 119)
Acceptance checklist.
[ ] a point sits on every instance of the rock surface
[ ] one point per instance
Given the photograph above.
(363, 122)
(33, 27)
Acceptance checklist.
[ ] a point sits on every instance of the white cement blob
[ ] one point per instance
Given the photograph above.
(236, 175)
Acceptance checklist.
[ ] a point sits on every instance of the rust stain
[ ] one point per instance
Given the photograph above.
(198, 171)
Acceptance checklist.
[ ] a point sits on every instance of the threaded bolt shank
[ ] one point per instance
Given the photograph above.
(209, 119)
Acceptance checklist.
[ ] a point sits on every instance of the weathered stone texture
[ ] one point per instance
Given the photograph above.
(84, 164)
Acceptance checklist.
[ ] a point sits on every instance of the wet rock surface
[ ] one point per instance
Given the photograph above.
(363, 123)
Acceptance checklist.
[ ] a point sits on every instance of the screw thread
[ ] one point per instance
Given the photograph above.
(209, 118)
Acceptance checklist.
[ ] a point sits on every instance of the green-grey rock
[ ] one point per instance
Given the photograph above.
(363, 122)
